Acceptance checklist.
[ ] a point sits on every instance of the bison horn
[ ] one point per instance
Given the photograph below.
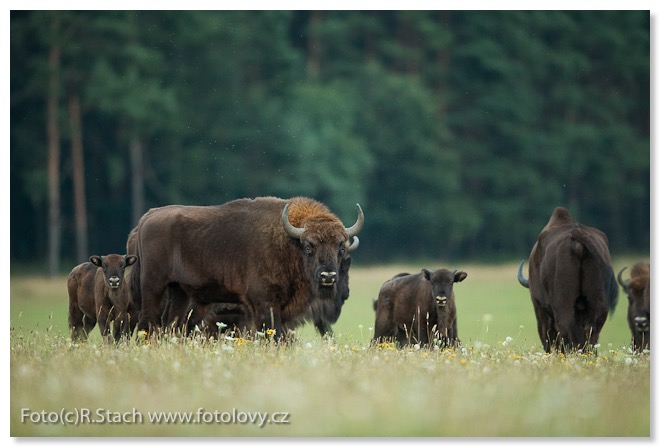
(355, 229)
(625, 284)
(521, 278)
(292, 231)
(356, 243)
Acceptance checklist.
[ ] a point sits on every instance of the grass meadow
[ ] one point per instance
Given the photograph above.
(500, 383)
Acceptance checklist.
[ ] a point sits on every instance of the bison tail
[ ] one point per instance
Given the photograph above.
(585, 247)
(521, 278)
(613, 292)
(134, 289)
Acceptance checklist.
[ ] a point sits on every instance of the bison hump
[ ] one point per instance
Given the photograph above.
(560, 216)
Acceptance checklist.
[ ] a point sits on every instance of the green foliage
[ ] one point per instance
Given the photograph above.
(457, 131)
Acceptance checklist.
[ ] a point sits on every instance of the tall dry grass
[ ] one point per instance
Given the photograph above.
(498, 384)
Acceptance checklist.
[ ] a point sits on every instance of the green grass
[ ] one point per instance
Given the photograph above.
(498, 384)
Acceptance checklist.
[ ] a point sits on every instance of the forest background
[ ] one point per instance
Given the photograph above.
(458, 132)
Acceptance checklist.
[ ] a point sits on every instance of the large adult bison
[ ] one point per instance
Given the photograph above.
(208, 311)
(275, 257)
(638, 289)
(418, 308)
(571, 283)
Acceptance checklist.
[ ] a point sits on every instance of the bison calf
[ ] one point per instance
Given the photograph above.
(639, 304)
(418, 308)
(97, 293)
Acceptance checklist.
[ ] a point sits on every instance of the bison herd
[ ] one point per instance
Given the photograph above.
(268, 264)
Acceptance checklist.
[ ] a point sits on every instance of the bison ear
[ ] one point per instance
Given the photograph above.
(459, 276)
(130, 259)
(96, 260)
(427, 274)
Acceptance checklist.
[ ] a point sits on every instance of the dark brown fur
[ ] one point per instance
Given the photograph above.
(571, 283)
(638, 290)
(92, 297)
(418, 308)
(240, 249)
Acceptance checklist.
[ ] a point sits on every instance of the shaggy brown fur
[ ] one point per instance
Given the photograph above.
(98, 293)
(241, 249)
(571, 283)
(418, 308)
(638, 289)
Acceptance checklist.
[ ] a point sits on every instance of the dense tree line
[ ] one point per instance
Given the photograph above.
(457, 132)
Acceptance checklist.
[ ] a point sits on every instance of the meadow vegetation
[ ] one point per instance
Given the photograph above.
(498, 383)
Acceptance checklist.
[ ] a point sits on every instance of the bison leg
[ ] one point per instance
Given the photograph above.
(133, 317)
(270, 318)
(571, 335)
(384, 328)
(403, 336)
(121, 327)
(88, 325)
(103, 318)
(152, 296)
(452, 334)
(81, 325)
(76, 322)
(454, 331)
(425, 329)
(546, 327)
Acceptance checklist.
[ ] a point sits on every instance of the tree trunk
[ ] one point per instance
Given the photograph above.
(53, 133)
(137, 179)
(82, 253)
(314, 45)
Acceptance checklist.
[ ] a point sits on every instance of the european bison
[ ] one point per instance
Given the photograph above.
(638, 289)
(418, 308)
(208, 312)
(571, 283)
(275, 257)
(97, 293)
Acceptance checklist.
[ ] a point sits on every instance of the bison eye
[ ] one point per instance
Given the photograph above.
(309, 250)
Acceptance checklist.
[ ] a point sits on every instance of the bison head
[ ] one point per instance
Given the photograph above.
(325, 244)
(442, 284)
(113, 267)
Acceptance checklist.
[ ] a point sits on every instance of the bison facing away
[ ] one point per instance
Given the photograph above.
(98, 294)
(275, 258)
(418, 308)
(571, 283)
(638, 289)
